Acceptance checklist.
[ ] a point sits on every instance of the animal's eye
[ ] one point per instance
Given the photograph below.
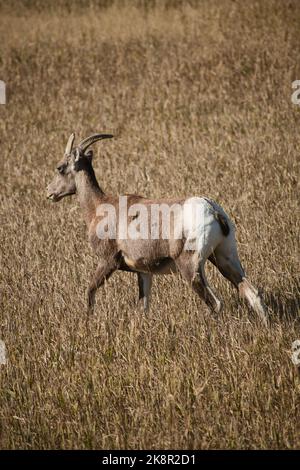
(61, 169)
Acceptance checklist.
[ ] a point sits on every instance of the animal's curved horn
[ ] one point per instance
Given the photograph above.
(70, 144)
(84, 144)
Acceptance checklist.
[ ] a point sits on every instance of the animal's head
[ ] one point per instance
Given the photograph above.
(75, 159)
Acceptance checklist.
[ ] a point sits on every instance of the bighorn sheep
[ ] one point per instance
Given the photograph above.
(211, 237)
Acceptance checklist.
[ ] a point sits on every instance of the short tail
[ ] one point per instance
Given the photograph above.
(223, 223)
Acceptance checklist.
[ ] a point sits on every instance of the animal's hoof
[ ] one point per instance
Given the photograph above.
(90, 310)
(217, 307)
(142, 306)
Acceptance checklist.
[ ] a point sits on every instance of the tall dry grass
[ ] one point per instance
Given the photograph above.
(199, 97)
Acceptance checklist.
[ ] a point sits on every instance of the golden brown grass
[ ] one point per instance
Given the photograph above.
(199, 98)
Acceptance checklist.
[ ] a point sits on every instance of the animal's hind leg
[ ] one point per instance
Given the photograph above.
(251, 294)
(229, 265)
(193, 271)
(210, 296)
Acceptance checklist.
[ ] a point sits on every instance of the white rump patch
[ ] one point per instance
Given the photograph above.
(200, 227)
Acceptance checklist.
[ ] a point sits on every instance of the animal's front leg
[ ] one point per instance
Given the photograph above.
(145, 283)
(103, 272)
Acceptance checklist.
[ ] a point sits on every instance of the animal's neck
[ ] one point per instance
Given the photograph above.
(89, 193)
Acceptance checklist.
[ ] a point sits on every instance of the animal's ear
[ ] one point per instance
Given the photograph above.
(89, 155)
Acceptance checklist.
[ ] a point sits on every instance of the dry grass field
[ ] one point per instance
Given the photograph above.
(198, 95)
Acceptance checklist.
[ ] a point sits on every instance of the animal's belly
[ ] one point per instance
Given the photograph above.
(136, 265)
(159, 266)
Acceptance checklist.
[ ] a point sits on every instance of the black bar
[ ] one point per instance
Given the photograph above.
(139, 458)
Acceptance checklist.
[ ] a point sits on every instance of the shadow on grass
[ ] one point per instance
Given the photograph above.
(283, 308)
